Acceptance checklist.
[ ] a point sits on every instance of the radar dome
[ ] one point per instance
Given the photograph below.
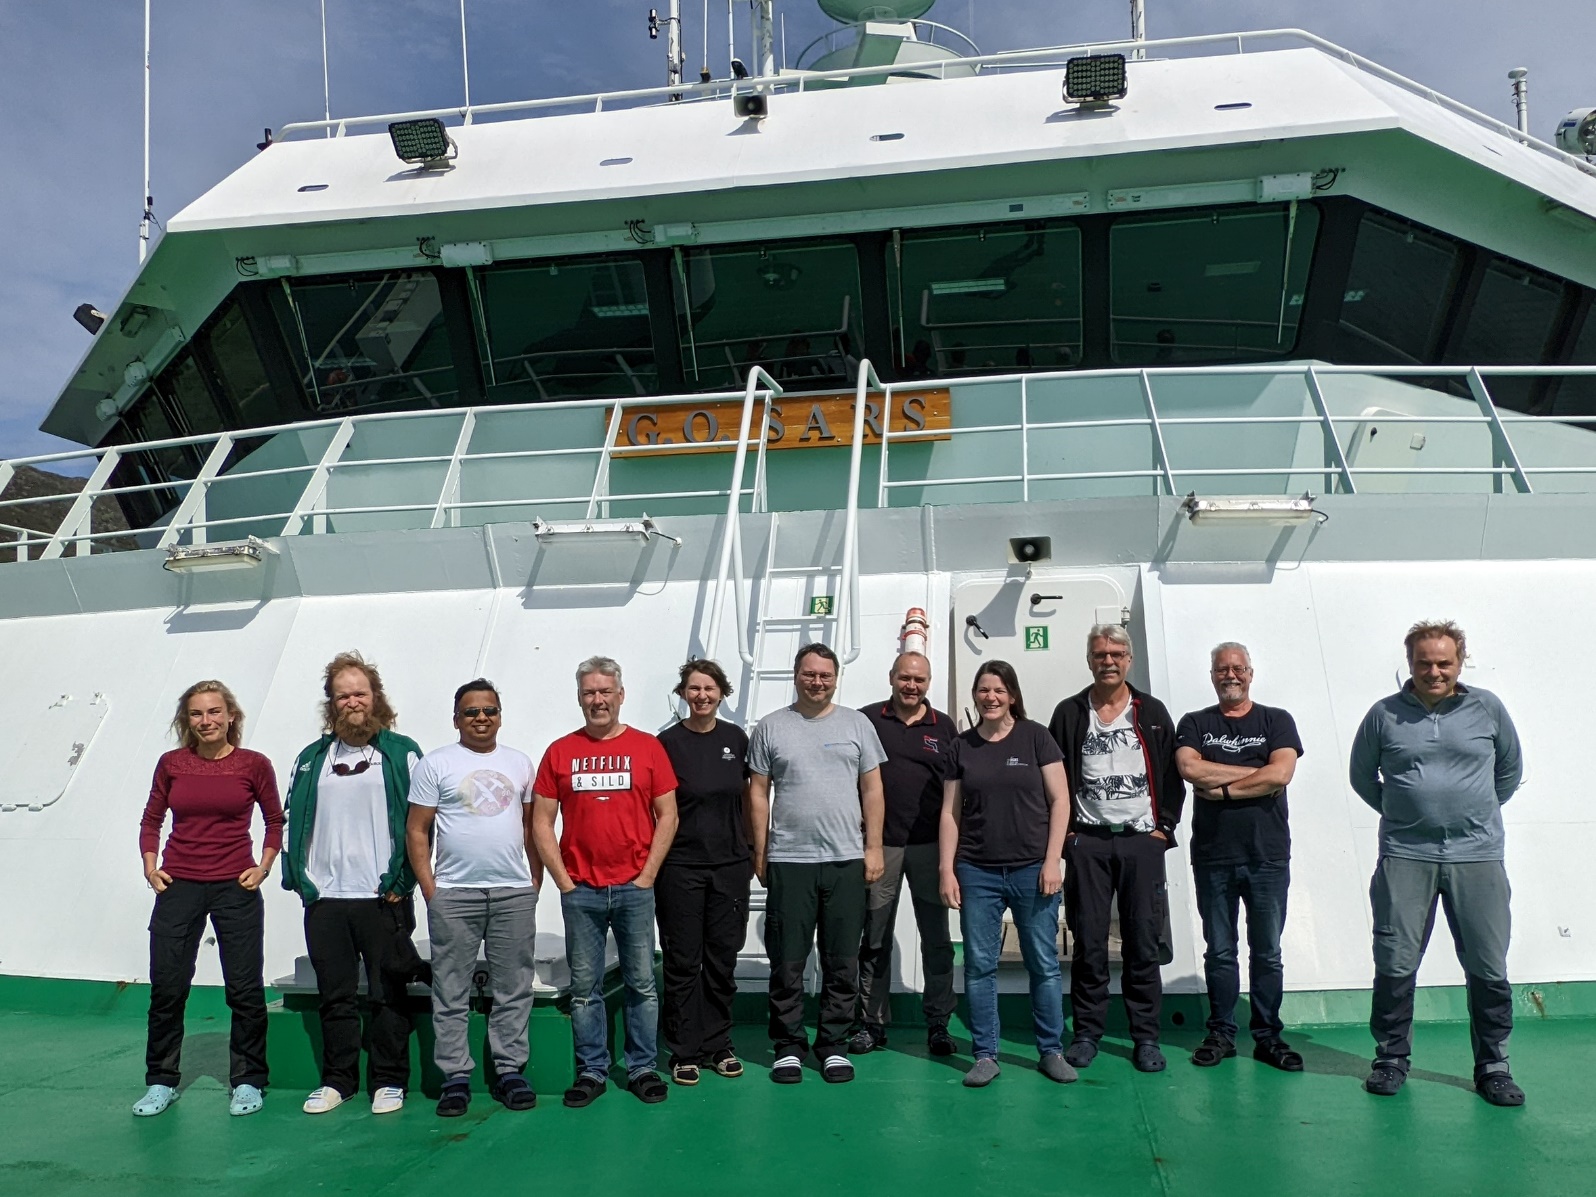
(852, 11)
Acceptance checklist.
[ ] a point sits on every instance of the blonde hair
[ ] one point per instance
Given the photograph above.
(382, 712)
(185, 733)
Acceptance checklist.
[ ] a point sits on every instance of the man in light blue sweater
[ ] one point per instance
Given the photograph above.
(1437, 760)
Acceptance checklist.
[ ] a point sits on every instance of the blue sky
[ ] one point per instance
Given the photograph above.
(71, 97)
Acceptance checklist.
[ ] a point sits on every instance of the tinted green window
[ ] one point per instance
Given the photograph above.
(242, 373)
(1397, 288)
(1577, 396)
(1208, 286)
(576, 330)
(978, 301)
(187, 397)
(368, 341)
(1510, 323)
(792, 308)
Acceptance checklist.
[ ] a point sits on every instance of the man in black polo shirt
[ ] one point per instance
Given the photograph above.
(1238, 756)
(916, 737)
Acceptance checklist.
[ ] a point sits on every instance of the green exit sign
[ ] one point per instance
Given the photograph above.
(821, 604)
(1036, 639)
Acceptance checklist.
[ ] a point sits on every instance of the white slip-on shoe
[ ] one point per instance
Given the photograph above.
(246, 1099)
(323, 1099)
(155, 1101)
(388, 1100)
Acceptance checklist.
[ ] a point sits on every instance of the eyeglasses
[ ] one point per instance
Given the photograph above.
(1228, 670)
(354, 770)
(474, 712)
(1121, 655)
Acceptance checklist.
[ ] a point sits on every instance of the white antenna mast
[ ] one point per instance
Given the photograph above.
(1138, 25)
(703, 71)
(326, 90)
(1520, 78)
(149, 200)
(731, 36)
(764, 19)
(674, 58)
(465, 62)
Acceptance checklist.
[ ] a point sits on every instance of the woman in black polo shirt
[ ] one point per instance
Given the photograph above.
(1005, 809)
(701, 896)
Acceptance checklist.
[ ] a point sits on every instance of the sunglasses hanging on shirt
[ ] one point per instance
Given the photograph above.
(342, 769)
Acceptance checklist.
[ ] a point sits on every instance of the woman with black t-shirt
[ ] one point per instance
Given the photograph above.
(1005, 808)
(701, 895)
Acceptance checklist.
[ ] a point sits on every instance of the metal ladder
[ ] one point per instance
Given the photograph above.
(770, 664)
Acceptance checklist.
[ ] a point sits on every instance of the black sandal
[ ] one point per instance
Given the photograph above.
(648, 1088)
(585, 1092)
(1212, 1050)
(455, 1099)
(1277, 1055)
(513, 1092)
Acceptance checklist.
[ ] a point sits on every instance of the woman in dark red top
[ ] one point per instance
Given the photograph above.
(211, 787)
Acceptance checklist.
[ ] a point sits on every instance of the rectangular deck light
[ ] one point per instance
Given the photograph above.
(421, 141)
(205, 558)
(1262, 509)
(1094, 78)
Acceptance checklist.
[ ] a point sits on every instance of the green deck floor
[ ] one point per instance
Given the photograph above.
(904, 1126)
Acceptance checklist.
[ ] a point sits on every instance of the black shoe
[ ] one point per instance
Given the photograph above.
(1081, 1053)
(837, 1069)
(513, 1093)
(1146, 1057)
(939, 1042)
(1384, 1081)
(455, 1099)
(648, 1088)
(1212, 1050)
(1498, 1089)
(787, 1070)
(867, 1039)
(585, 1092)
(1277, 1055)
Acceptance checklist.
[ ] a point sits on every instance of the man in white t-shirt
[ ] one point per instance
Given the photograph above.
(469, 837)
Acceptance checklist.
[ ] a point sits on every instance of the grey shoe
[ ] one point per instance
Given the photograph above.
(983, 1073)
(1054, 1068)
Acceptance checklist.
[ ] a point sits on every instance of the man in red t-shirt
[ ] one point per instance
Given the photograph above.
(615, 791)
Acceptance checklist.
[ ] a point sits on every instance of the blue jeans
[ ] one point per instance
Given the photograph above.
(590, 912)
(1262, 886)
(983, 893)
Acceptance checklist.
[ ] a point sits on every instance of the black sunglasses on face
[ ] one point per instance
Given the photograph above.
(473, 712)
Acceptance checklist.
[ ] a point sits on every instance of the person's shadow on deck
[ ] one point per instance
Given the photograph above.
(1332, 1061)
(205, 1054)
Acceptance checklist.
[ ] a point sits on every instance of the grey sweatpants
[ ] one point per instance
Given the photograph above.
(504, 922)
(1475, 896)
(918, 864)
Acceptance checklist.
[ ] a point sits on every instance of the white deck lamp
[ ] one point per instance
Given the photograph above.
(207, 558)
(1251, 509)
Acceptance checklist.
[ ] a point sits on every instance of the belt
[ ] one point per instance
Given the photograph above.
(1109, 829)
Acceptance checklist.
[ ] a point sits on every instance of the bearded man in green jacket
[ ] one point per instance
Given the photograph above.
(345, 857)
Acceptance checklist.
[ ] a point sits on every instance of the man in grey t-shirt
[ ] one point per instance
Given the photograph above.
(815, 849)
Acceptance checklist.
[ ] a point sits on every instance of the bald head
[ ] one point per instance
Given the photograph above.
(910, 678)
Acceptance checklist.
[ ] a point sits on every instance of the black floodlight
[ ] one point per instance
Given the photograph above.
(1095, 78)
(423, 141)
(89, 317)
(751, 106)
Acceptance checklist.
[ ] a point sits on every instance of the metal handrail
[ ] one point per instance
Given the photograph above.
(731, 538)
(848, 585)
(831, 36)
(75, 533)
(1039, 58)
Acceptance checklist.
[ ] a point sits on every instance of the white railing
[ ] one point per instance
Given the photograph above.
(1051, 57)
(464, 438)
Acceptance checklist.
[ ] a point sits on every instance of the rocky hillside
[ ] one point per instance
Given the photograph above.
(54, 495)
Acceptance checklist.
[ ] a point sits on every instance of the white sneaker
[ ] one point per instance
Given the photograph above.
(323, 1099)
(387, 1100)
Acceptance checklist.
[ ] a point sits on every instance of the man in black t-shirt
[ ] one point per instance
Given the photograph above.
(917, 738)
(1239, 755)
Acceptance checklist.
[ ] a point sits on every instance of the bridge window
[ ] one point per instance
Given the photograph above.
(243, 374)
(1510, 323)
(979, 301)
(364, 342)
(1397, 289)
(1577, 396)
(791, 307)
(1223, 285)
(568, 330)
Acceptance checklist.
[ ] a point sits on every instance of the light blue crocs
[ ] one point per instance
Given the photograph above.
(246, 1100)
(155, 1101)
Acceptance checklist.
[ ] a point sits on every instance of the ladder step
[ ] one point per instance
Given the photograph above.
(805, 569)
(794, 621)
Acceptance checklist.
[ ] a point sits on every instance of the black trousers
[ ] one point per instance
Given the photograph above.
(1100, 866)
(703, 923)
(238, 916)
(341, 934)
(803, 899)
